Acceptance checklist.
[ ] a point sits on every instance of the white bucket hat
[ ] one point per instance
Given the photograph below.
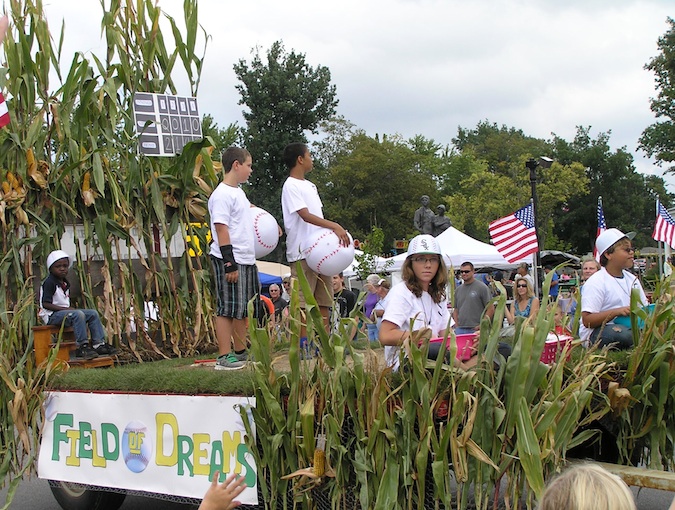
(58, 255)
(423, 243)
(607, 239)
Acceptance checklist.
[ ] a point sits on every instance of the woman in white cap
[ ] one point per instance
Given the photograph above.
(606, 294)
(419, 300)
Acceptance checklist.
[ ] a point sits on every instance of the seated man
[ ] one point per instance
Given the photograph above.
(55, 309)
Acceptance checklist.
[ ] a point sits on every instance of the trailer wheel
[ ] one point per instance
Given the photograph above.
(73, 496)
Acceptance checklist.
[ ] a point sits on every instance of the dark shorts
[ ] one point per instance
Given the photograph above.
(232, 298)
(321, 286)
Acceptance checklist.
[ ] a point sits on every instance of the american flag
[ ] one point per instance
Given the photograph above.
(602, 225)
(4, 112)
(664, 229)
(515, 236)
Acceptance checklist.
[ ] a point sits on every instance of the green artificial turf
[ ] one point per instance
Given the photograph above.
(167, 376)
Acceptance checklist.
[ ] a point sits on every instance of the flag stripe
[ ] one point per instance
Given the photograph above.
(602, 225)
(515, 236)
(664, 228)
(4, 112)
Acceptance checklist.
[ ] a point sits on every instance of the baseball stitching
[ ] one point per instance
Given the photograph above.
(257, 233)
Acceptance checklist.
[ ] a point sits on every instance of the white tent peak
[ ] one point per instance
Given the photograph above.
(457, 247)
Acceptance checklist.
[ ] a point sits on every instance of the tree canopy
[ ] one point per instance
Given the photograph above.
(285, 98)
(658, 140)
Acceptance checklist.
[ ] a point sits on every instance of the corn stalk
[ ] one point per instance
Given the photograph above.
(387, 440)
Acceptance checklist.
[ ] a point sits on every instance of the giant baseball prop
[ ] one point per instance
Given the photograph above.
(325, 255)
(266, 232)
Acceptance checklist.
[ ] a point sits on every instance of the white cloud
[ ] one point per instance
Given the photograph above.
(429, 66)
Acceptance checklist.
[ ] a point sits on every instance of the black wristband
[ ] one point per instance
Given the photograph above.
(228, 258)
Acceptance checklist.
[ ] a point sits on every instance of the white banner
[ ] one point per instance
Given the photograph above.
(166, 444)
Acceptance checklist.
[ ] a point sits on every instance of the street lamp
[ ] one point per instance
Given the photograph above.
(532, 164)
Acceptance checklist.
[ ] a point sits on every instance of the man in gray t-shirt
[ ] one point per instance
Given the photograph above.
(472, 298)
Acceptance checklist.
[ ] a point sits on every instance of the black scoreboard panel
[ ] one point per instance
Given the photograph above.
(165, 123)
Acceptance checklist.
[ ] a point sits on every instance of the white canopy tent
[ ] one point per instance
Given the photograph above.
(350, 272)
(458, 247)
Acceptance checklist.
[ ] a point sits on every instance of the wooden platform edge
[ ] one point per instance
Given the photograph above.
(642, 477)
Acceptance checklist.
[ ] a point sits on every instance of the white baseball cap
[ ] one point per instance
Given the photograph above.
(57, 255)
(373, 279)
(423, 243)
(607, 239)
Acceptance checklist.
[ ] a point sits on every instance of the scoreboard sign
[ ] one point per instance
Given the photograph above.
(164, 123)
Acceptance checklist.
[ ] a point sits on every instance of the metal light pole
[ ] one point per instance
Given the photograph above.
(532, 165)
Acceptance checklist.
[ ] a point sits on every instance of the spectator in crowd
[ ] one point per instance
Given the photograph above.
(525, 303)
(472, 299)
(369, 304)
(344, 299)
(524, 271)
(286, 290)
(382, 290)
(555, 280)
(279, 303)
(589, 267)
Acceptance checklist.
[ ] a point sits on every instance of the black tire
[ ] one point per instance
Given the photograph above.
(73, 496)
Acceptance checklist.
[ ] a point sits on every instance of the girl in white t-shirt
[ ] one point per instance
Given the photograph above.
(419, 300)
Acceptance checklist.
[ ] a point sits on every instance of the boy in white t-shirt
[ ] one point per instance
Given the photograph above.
(606, 293)
(233, 258)
(303, 214)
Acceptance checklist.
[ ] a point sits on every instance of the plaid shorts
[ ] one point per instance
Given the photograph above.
(232, 298)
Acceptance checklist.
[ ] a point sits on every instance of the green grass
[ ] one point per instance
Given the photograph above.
(167, 376)
(177, 376)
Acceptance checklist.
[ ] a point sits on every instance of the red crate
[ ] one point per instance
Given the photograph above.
(554, 346)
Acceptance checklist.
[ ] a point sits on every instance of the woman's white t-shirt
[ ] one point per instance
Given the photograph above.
(403, 308)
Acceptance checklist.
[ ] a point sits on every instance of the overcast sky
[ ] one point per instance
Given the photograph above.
(428, 66)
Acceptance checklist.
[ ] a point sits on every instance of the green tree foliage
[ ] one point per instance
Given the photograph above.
(659, 139)
(376, 183)
(285, 98)
(489, 180)
(500, 147)
(628, 197)
(222, 137)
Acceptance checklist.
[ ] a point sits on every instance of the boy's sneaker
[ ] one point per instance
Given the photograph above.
(105, 350)
(85, 352)
(243, 356)
(229, 362)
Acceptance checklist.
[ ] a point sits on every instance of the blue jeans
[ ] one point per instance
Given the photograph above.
(615, 335)
(373, 334)
(464, 331)
(79, 320)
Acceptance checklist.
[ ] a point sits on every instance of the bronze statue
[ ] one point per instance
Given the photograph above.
(424, 217)
(441, 222)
